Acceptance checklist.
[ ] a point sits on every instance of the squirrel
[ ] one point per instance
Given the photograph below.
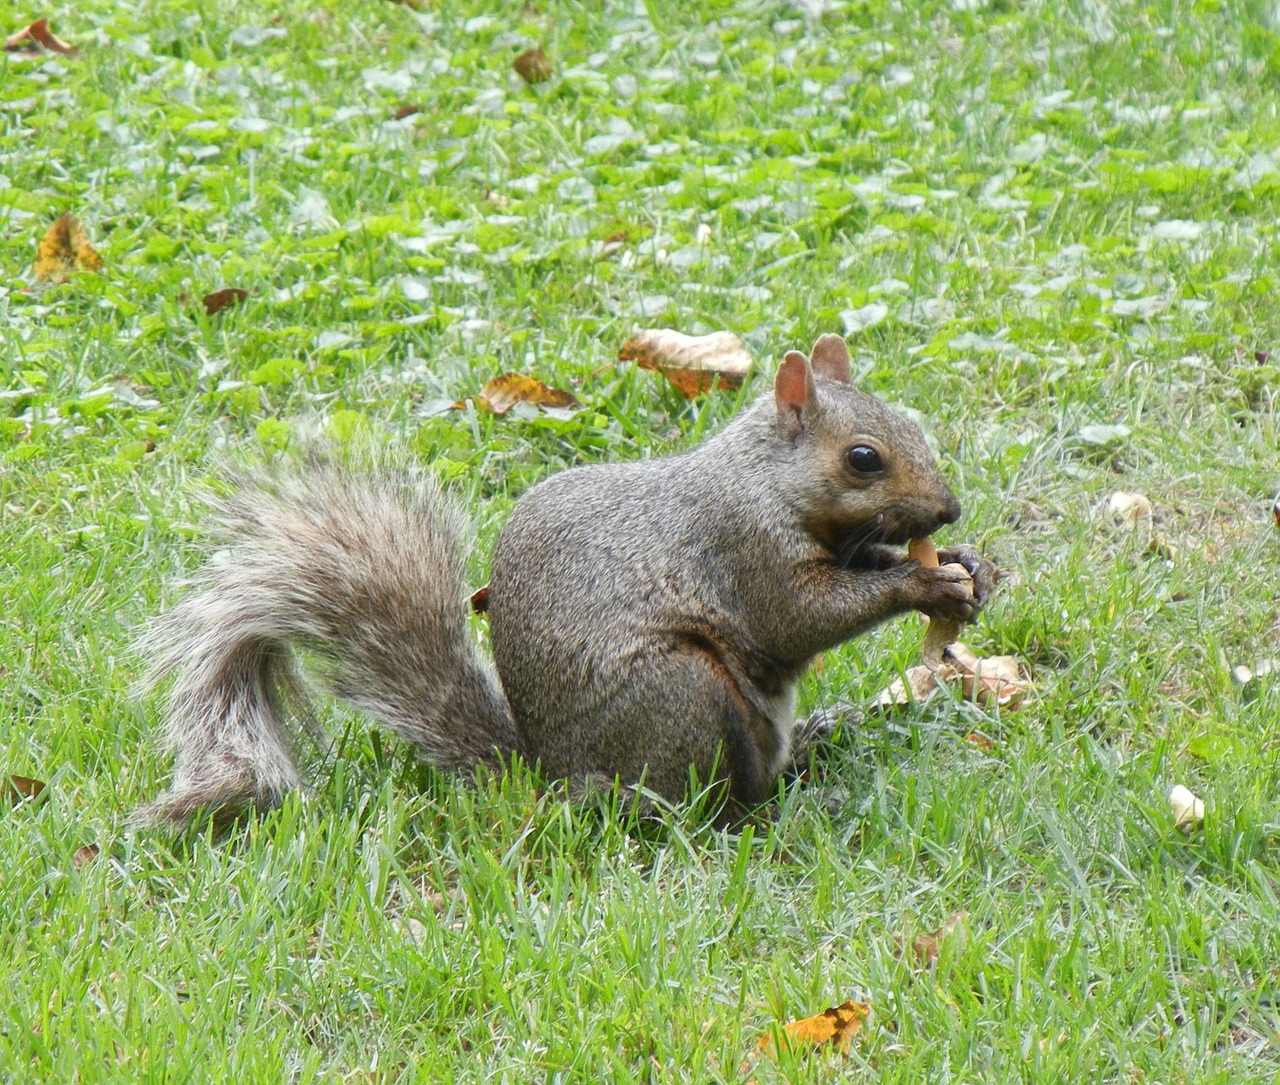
(649, 620)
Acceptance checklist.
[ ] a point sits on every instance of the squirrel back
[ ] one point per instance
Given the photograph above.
(649, 620)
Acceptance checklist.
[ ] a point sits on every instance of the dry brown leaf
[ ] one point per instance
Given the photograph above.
(63, 249)
(480, 599)
(36, 35)
(17, 788)
(834, 1028)
(82, 857)
(693, 363)
(533, 65)
(406, 110)
(223, 299)
(504, 392)
(925, 947)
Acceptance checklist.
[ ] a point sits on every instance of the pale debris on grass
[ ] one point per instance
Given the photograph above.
(1187, 807)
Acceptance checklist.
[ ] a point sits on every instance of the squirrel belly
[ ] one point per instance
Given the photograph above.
(649, 620)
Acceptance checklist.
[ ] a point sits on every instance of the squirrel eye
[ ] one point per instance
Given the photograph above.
(864, 460)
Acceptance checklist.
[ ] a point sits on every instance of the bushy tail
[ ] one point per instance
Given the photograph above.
(361, 567)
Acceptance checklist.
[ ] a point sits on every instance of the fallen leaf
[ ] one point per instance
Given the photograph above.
(37, 34)
(16, 788)
(1128, 509)
(82, 857)
(1187, 807)
(533, 65)
(63, 249)
(693, 363)
(480, 599)
(504, 392)
(833, 1028)
(925, 947)
(223, 299)
(406, 110)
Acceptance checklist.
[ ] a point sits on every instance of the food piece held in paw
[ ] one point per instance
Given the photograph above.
(940, 633)
(994, 680)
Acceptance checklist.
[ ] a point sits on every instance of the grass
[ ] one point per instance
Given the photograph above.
(1050, 228)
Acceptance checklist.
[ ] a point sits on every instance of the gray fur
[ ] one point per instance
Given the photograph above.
(650, 620)
(365, 569)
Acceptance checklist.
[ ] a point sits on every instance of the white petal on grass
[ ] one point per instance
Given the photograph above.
(868, 316)
(414, 288)
(1031, 149)
(1258, 168)
(983, 344)
(311, 212)
(398, 82)
(331, 339)
(249, 124)
(1147, 306)
(650, 305)
(1179, 230)
(578, 189)
(250, 36)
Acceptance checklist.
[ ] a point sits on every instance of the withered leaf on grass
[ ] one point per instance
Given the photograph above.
(37, 36)
(16, 788)
(82, 857)
(504, 392)
(533, 65)
(63, 249)
(480, 599)
(834, 1028)
(406, 110)
(925, 948)
(223, 299)
(693, 363)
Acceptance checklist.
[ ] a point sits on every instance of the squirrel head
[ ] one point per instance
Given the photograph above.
(860, 473)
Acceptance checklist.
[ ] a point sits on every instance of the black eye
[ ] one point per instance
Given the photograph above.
(864, 460)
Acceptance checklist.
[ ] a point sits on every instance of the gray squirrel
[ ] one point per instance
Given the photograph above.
(649, 620)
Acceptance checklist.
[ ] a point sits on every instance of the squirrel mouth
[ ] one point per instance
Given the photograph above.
(878, 543)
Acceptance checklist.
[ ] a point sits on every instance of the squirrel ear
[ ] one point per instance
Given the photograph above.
(793, 391)
(831, 358)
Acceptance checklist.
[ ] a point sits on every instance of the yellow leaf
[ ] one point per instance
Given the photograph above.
(833, 1028)
(63, 249)
(504, 392)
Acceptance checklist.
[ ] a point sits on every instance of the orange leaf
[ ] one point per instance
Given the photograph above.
(223, 299)
(833, 1028)
(63, 249)
(504, 392)
(480, 599)
(37, 34)
(925, 948)
(533, 65)
(693, 363)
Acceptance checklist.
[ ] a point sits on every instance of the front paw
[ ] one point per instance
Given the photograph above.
(946, 592)
(983, 571)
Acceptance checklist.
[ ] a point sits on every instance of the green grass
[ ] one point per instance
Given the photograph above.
(1042, 218)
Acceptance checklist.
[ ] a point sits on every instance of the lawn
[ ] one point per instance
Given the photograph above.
(1049, 229)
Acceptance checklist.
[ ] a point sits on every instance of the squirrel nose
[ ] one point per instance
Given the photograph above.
(949, 510)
